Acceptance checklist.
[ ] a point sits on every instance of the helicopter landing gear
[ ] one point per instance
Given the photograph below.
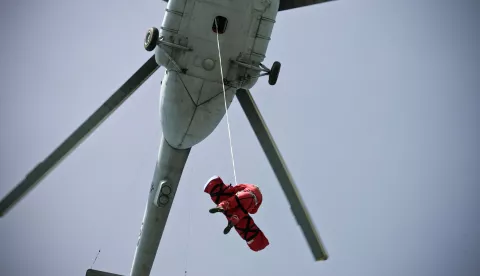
(274, 72)
(151, 39)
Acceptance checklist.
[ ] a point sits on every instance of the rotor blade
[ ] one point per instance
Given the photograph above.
(82, 132)
(283, 175)
(292, 4)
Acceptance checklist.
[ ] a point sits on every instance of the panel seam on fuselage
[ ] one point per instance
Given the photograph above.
(186, 89)
(189, 124)
(193, 115)
(200, 92)
(210, 98)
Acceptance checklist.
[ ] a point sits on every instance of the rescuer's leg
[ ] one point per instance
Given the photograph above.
(216, 210)
(228, 228)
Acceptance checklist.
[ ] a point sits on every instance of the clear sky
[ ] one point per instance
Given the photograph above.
(376, 112)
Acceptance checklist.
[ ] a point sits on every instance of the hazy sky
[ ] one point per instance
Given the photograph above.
(376, 112)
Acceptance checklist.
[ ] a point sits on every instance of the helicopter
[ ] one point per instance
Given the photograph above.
(198, 41)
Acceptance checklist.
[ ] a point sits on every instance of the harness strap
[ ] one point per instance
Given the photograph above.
(245, 231)
(240, 204)
(221, 192)
(248, 230)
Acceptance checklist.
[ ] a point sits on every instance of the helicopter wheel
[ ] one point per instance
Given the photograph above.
(274, 71)
(151, 39)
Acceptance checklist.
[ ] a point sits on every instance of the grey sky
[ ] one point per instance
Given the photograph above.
(376, 112)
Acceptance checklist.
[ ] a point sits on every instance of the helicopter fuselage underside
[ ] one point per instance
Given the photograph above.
(192, 98)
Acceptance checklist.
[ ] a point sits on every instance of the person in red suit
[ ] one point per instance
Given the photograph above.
(237, 203)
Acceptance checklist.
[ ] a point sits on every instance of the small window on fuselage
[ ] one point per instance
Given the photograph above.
(219, 24)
